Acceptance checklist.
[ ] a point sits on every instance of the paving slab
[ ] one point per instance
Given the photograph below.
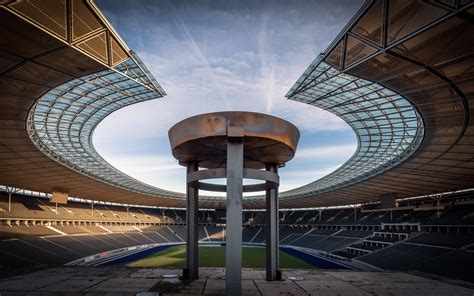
(153, 272)
(313, 275)
(279, 288)
(415, 289)
(74, 284)
(253, 274)
(215, 284)
(248, 285)
(212, 273)
(124, 285)
(121, 281)
(331, 288)
(30, 283)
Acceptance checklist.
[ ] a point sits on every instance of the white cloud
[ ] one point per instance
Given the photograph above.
(326, 151)
(137, 165)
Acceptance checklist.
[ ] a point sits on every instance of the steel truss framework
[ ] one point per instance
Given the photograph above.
(400, 73)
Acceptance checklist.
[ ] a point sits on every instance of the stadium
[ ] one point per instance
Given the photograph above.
(396, 218)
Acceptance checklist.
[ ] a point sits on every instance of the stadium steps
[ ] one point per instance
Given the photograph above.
(373, 251)
(337, 242)
(313, 219)
(13, 261)
(282, 241)
(410, 235)
(216, 233)
(56, 230)
(299, 219)
(61, 247)
(362, 240)
(207, 234)
(52, 257)
(137, 229)
(133, 237)
(166, 233)
(70, 244)
(106, 242)
(154, 236)
(27, 251)
(325, 238)
(256, 234)
(467, 247)
(449, 240)
(160, 235)
(331, 219)
(175, 233)
(56, 212)
(113, 239)
(87, 247)
(203, 236)
(146, 238)
(300, 237)
(106, 229)
(457, 264)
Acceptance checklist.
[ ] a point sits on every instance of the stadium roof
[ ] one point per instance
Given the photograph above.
(400, 74)
(421, 53)
(388, 127)
(64, 69)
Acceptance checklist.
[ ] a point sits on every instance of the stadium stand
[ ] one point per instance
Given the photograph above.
(419, 236)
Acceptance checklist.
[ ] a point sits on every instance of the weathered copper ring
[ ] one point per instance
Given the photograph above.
(271, 179)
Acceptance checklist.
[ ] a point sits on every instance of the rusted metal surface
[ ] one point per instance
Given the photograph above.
(203, 138)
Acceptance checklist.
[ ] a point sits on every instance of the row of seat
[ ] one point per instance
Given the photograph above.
(40, 208)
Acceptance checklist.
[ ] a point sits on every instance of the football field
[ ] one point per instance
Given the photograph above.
(214, 256)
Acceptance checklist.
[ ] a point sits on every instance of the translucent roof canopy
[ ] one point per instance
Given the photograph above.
(388, 127)
(62, 121)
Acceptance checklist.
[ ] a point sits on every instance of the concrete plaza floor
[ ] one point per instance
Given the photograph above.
(118, 281)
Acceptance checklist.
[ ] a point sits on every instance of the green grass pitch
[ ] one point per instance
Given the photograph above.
(252, 257)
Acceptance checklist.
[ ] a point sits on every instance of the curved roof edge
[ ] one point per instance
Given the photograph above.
(61, 123)
(387, 126)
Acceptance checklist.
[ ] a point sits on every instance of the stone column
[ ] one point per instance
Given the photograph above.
(271, 229)
(192, 196)
(235, 163)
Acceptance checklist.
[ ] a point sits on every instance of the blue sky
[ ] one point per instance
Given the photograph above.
(218, 56)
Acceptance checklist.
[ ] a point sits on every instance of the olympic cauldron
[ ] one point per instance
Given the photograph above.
(233, 145)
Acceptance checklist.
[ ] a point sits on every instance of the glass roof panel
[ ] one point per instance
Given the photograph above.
(387, 126)
(63, 120)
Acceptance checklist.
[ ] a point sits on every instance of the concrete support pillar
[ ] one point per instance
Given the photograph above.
(9, 202)
(271, 228)
(192, 197)
(10, 191)
(235, 163)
